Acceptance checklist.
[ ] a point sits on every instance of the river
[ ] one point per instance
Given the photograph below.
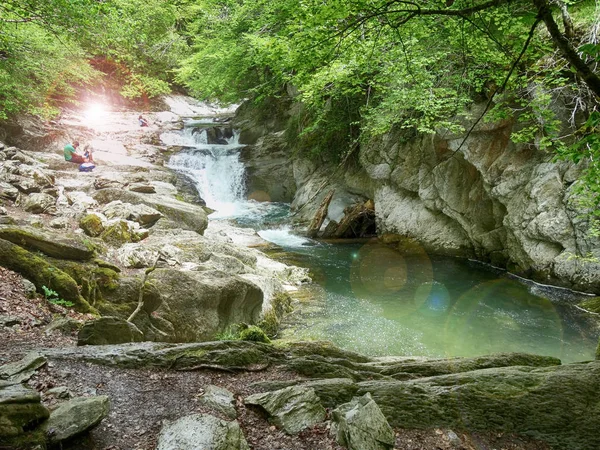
(378, 301)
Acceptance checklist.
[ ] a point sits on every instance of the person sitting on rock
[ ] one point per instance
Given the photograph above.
(71, 154)
(143, 122)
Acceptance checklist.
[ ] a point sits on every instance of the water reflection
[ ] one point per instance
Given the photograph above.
(378, 301)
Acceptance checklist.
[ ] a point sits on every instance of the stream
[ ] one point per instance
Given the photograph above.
(374, 300)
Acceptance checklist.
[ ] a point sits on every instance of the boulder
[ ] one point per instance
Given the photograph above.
(557, 404)
(92, 224)
(38, 203)
(108, 330)
(60, 223)
(201, 431)
(50, 243)
(191, 217)
(66, 325)
(20, 410)
(331, 391)
(119, 232)
(360, 425)
(142, 214)
(142, 188)
(22, 370)
(76, 416)
(202, 304)
(81, 201)
(220, 400)
(8, 191)
(293, 409)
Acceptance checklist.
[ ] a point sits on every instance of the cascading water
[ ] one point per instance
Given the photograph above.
(219, 174)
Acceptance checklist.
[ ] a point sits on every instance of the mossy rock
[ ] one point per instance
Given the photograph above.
(591, 304)
(94, 281)
(118, 234)
(254, 334)
(92, 225)
(41, 273)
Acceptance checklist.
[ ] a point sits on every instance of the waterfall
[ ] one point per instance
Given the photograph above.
(215, 168)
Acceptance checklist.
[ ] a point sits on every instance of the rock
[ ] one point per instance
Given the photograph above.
(453, 439)
(41, 273)
(142, 214)
(191, 217)
(220, 400)
(3, 211)
(255, 334)
(543, 403)
(50, 243)
(202, 304)
(29, 287)
(136, 256)
(20, 410)
(39, 203)
(201, 431)
(76, 416)
(293, 409)
(59, 392)
(360, 425)
(331, 391)
(23, 370)
(92, 224)
(66, 325)
(142, 188)
(81, 201)
(8, 191)
(108, 330)
(120, 232)
(60, 223)
(9, 321)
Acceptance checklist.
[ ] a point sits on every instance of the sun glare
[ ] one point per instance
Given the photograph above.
(95, 111)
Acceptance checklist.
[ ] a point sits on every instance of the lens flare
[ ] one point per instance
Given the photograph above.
(95, 111)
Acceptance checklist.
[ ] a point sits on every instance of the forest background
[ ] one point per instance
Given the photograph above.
(357, 68)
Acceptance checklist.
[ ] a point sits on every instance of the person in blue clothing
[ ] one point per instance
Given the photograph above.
(143, 122)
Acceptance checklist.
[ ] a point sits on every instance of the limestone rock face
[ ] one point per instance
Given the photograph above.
(293, 409)
(108, 330)
(360, 425)
(76, 416)
(201, 431)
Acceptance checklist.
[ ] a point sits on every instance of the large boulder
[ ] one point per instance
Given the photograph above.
(108, 330)
(293, 409)
(201, 431)
(360, 425)
(219, 399)
(142, 214)
(191, 217)
(50, 243)
(558, 404)
(76, 416)
(201, 304)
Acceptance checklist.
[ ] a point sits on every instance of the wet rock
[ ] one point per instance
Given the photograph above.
(50, 243)
(20, 410)
(108, 330)
(22, 370)
(76, 416)
(39, 203)
(201, 431)
(219, 399)
(293, 409)
(360, 425)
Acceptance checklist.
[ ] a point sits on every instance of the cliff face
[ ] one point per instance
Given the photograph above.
(491, 199)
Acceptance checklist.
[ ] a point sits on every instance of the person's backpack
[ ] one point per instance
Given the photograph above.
(86, 167)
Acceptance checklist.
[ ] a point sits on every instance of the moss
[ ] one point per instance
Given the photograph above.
(92, 279)
(106, 278)
(92, 225)
(270, 323)
(41, 273)
(281, 304)
(598, 351)
(254, 334)
(118, 234)
(106, 265)
(591, 304)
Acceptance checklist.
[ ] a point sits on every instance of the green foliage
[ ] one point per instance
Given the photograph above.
(53, 297)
